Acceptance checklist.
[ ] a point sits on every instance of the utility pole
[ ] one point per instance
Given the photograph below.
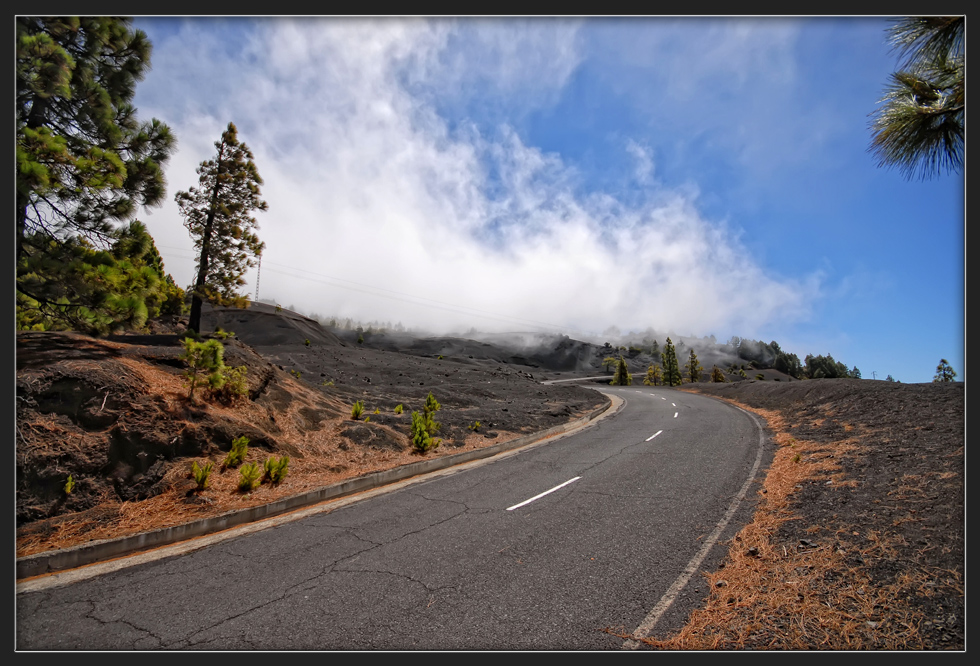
(258, 274)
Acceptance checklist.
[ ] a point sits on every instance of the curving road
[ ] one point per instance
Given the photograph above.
(544, 548)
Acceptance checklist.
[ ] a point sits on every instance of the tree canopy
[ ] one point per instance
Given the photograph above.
(84, 160)
(672, 372)
(944, 372)
(693, 367)
(85, 163)
(622, 376)
(218, 215)
(93, 290)
(918, 126)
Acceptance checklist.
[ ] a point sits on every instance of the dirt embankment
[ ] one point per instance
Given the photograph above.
(115, 416)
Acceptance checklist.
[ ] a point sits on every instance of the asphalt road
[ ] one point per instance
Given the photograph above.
(539, 550)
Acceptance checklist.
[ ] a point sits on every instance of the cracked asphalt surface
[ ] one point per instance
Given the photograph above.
(442, 563)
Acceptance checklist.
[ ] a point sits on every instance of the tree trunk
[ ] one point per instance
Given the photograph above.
(197, 303)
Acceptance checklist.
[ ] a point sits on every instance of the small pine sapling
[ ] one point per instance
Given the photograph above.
(399, 409)
(276, 470)
(69, 485)
(205, 362)
(236, 456)
(422, 441)
(202, 474)
(249, 477)
(356, 410)
(428, 414)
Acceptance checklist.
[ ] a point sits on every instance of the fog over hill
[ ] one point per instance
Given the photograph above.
(546, 351)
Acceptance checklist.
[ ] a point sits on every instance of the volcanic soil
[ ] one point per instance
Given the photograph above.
(858, 541)
(114, 415)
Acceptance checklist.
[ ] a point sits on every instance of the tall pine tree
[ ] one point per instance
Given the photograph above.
(84, 161)
(218, 215)
(654, 376)
(693, 368)
(944, 372)
(622, 376)
(672, 373)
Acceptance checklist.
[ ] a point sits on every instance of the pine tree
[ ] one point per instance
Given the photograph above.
(654, 376)
(693, 368)
(920, 126)
(944, 372)
(717, 375)
(672, 373)
(95, 291)
(622, 376)
(218, 216)
(84, 160)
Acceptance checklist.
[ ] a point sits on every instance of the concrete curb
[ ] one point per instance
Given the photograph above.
(98, 551)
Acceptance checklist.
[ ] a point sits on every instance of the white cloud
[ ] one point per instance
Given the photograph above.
(644, 161)
(379, 210)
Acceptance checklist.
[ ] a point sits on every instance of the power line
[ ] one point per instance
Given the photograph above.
(391, 294)
(415, 300)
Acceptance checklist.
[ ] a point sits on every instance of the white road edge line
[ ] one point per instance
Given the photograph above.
(650, 622)
(654, 435)
(528, 501)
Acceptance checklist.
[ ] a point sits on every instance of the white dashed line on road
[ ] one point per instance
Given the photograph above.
(654, 435)
(528, 501)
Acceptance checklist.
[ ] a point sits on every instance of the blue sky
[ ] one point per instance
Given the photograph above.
(690, 175)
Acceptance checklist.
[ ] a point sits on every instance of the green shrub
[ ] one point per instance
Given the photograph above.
(422, 441)
(232, 386)
(205, 362)
(222, 334)
(307, 342)
(760, 377)
(475, 426)
(356, 410)
(239, 449)
(399, 409)
(428, 414)
(202, 474)
(276, 469)
(69, 485)
(249, 477)
(206, 368)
